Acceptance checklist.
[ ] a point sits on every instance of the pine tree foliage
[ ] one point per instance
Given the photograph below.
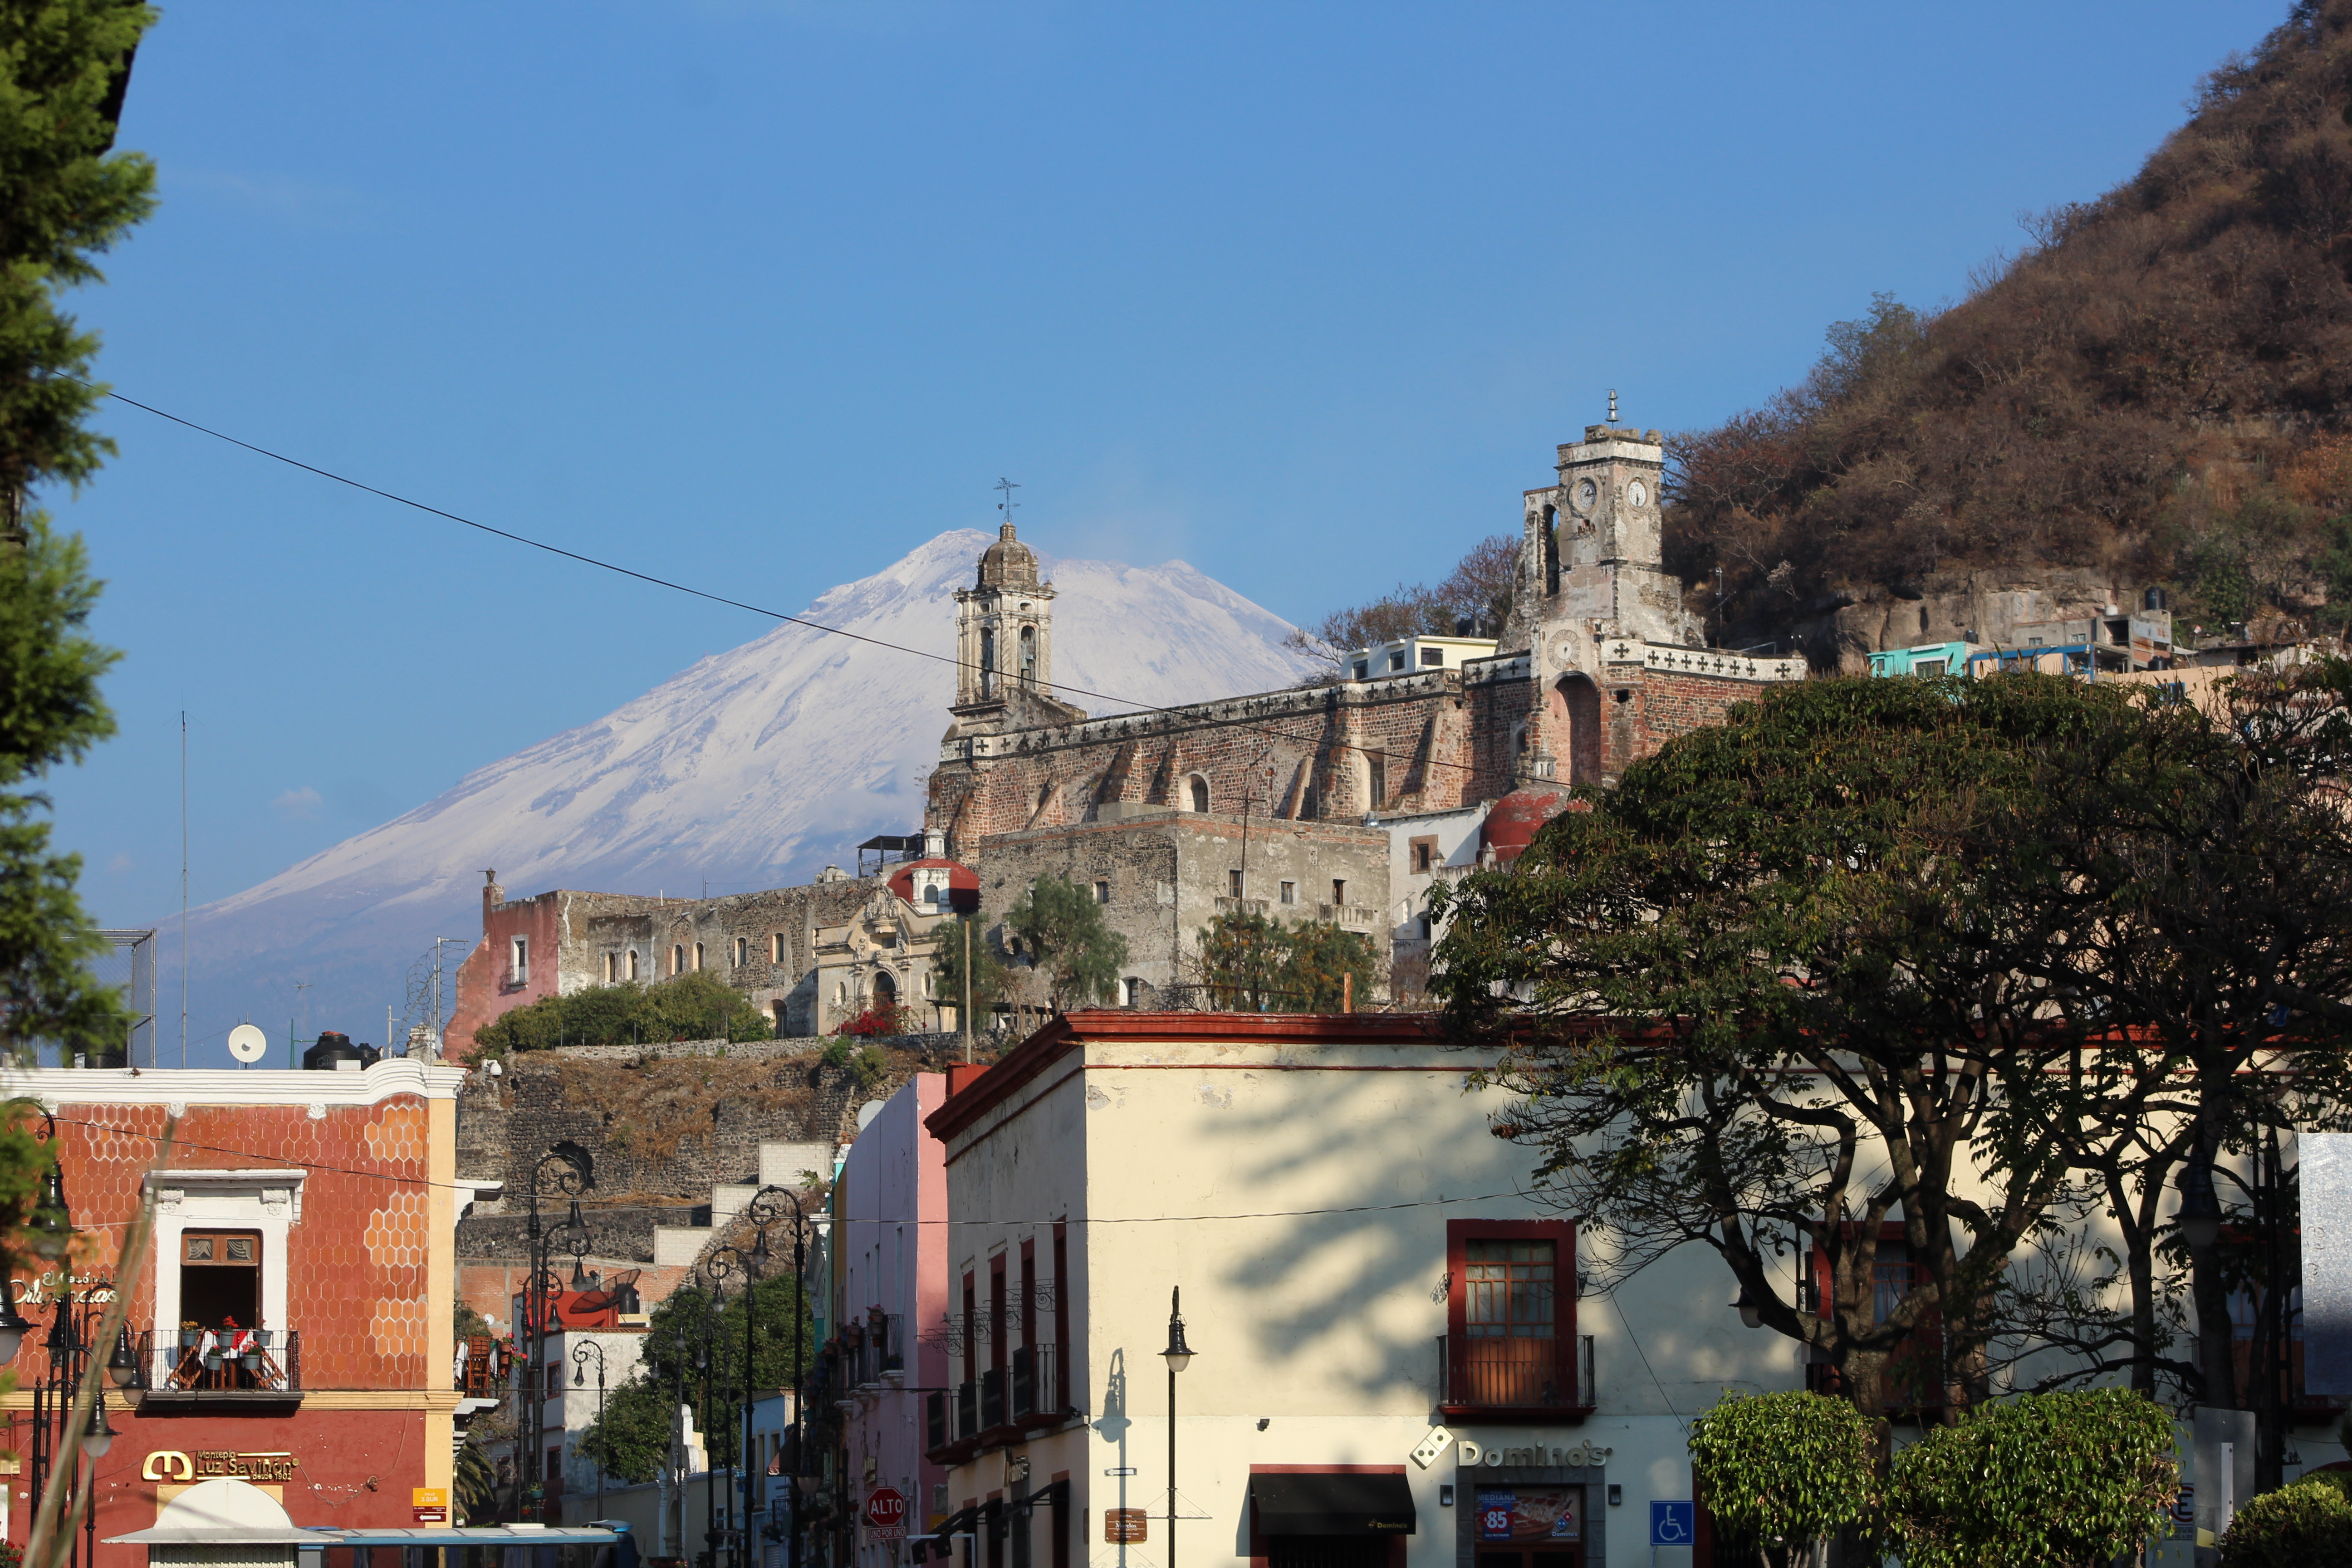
(63, 65)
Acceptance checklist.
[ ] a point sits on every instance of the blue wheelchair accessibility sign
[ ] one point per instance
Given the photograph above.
(1674, 1523)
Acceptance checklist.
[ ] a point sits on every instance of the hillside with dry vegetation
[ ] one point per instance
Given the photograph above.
(2153, 393)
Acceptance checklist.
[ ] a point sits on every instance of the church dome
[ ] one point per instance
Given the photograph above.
(1513, 820)
(1008, 563)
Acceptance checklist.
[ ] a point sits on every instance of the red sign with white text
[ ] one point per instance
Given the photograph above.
(885, 1514)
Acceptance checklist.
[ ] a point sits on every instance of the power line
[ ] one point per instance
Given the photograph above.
(698, 593)
(141, 1133)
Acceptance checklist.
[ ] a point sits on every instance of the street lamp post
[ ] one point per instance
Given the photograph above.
(763, 1213)
(573, 1172)
(702, 1358)
(723, 1261)
(579, 1378)
(1178, 1355)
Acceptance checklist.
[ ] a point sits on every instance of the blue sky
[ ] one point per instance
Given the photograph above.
(761, 296)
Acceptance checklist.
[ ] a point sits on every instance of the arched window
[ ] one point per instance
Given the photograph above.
(697, 955)
(678, 959)
(1134, 992)
(1029, 656)
(885, 991)
(1576, 706)
(1551, 549)
(988, 661)
(1198, 787)
(633, 964)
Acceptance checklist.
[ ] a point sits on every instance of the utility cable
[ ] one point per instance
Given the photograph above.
(1131, 706)
(1111, 1219)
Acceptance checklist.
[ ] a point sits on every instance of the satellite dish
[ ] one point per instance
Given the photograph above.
(246, 1042)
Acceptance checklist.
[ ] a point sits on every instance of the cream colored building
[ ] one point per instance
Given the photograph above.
(1360, 1279)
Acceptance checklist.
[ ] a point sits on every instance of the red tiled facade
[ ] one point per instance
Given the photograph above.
(345, 1182)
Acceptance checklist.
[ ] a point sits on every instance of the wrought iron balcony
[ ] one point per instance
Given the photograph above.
(1041, 1387)
(248, 1365)
(991, 1399)
(875, 1345)
(1520, 1376)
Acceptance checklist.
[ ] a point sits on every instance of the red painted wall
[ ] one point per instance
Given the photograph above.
(355, 1291)
(486, 982)
(351, 1467)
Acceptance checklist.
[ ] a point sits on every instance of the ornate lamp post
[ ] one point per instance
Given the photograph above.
(579, 1378)
(572, 1171)
(1178, 1355)
(764, 1211)
(723, 1262)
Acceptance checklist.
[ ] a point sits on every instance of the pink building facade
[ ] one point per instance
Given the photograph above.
(889, 1251)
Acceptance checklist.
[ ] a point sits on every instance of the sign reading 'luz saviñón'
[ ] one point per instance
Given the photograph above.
(172, 1464)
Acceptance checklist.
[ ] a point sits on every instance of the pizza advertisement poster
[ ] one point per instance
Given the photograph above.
(1530, 1513)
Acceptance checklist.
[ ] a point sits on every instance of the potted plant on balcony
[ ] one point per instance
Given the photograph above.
(192, 1334)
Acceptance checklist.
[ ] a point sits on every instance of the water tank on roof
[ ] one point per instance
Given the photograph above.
(334, 1049)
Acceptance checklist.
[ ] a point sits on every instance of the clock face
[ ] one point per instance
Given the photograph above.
(1584, 494)
(1637, 492)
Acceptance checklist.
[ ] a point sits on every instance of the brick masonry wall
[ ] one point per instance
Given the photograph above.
(572, 932)
(1313, 743)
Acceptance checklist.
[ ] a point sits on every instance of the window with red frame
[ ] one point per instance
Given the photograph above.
(1510, 1317)
(1915, 1374)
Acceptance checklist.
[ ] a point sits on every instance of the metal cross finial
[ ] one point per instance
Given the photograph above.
(1008, 503)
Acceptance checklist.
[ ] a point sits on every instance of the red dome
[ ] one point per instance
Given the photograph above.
(1513, 820)
(964, 884)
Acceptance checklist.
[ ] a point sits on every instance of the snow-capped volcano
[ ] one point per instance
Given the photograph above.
(753, 768)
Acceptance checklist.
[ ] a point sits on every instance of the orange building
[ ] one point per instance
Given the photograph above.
(290, 1324)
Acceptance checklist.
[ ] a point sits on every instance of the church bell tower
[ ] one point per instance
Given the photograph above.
(1004, 642)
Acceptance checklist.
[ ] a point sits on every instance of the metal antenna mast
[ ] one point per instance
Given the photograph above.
(1008, 503)
(183, 896)
(1612, 406)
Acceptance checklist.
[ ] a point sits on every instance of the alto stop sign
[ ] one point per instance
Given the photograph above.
(886, 1509)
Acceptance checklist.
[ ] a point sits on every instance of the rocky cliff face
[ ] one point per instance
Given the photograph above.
(1839, 630)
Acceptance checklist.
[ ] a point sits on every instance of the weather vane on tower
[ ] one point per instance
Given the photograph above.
(1008, 503)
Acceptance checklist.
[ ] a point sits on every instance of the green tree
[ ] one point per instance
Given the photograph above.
(1064, 936)
(1818, 892)
(1250, 963)
(2306, 1525)
(1784, 1471)
(696, 1353)
(2047, 1480)
(63, 67)
(1327, 967)
(476, 1484)
(991, 979)
(696, 1006)
(630, 1437)
(2197, 856)
(1241, 959)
